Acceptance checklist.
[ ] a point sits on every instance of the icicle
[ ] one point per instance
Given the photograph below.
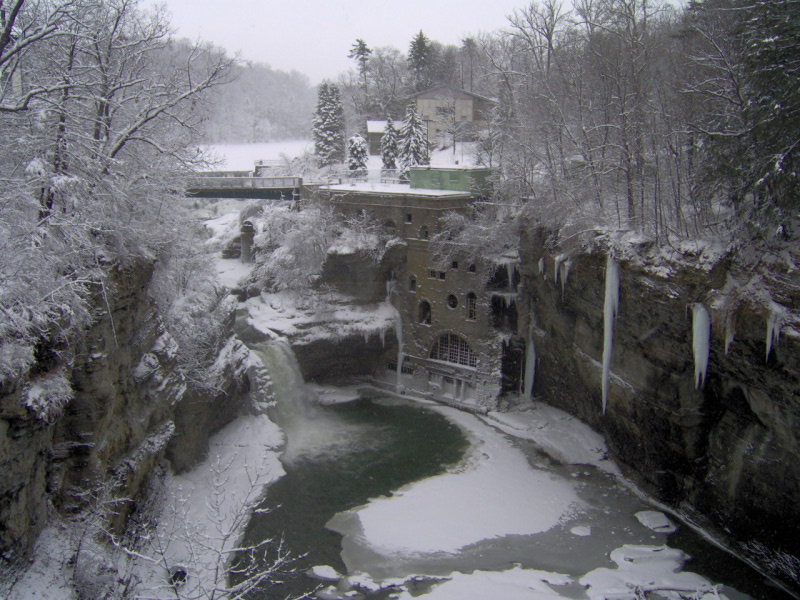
(729, 332)
(530, 361)
(541, 266)
(610, 308)
(773, 328)
(564, 275)
(701, 341)
(382, 335)
(557, 265)
(510, 274)
(398, 330)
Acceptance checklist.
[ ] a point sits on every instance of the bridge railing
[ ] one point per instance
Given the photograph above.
(244, 182)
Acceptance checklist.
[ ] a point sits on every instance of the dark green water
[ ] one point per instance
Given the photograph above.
(348, 453)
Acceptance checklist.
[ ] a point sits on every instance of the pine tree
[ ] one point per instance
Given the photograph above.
(422, 61)
(389, 147)
(329, 125)
(360, 52)
(357, 155)
(413, 142)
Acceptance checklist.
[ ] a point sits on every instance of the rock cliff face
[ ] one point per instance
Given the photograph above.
(130, 405)
(726, 455)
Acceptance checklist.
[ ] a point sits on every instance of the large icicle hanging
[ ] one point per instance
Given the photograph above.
(557, 266)
(730, 332)
(773, 328)
(610, 308)
(701, 342)
(530, 361)
(564, 271)
(541, 266)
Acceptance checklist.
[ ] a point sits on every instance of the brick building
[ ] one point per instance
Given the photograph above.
(455, 327)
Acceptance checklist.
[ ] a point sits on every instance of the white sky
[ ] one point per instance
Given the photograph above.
(315, 36)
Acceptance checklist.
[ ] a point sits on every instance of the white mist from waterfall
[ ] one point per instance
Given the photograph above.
(701, 343)
(610, 309)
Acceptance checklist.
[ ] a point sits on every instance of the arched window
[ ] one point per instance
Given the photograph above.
(425, 312)
(454, 349)
(472, 307)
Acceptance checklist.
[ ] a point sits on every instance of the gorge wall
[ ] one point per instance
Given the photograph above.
(130, 408)
(726, 455)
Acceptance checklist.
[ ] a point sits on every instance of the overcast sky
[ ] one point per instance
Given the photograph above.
(315, 36)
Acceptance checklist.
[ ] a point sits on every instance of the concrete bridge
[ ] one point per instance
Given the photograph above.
(238, 184)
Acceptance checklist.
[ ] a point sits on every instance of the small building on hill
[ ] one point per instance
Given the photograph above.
(375, 131)
(452, 115)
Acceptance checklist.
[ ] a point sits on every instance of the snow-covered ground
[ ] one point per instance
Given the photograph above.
(242, 157)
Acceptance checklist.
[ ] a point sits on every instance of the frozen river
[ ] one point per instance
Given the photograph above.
(389, 491)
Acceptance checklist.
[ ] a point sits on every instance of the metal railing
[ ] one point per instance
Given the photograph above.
(245, 182)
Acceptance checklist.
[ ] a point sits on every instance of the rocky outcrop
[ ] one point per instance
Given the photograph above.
(726, 455)
(357, 324)
(128, 407)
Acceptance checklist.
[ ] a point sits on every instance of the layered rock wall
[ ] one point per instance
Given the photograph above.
(726, 455)
(130, 405)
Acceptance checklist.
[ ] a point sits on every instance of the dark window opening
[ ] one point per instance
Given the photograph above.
(472, 307)
(412, 284)
(472, 268)
(452, 301)
(433, 274)
(442, 275)
(504, 314)
(454, 264)
(512, 366)
(423, 232)
(408, 217)
(425, 312)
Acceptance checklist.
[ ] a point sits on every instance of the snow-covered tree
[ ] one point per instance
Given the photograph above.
(92, 163)
(357, 155)
(329, 125)
(389, 146)
(413, 141)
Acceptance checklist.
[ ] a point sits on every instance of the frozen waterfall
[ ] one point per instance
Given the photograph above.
(701, 342)
(610, 309)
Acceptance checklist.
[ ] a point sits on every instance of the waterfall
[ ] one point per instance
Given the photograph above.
(295, 400)
(610, 308)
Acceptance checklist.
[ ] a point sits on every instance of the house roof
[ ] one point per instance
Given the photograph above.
(376, 126)
(449, 90)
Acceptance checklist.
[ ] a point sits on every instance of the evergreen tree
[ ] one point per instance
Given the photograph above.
(422, 62)
(389, 147)
(361, 53)
(357, 155)
(328, 129)
(413, 142)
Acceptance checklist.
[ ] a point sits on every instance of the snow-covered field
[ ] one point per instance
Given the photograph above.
(242, 157)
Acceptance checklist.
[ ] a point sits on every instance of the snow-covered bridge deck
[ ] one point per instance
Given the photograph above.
(215, 186)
